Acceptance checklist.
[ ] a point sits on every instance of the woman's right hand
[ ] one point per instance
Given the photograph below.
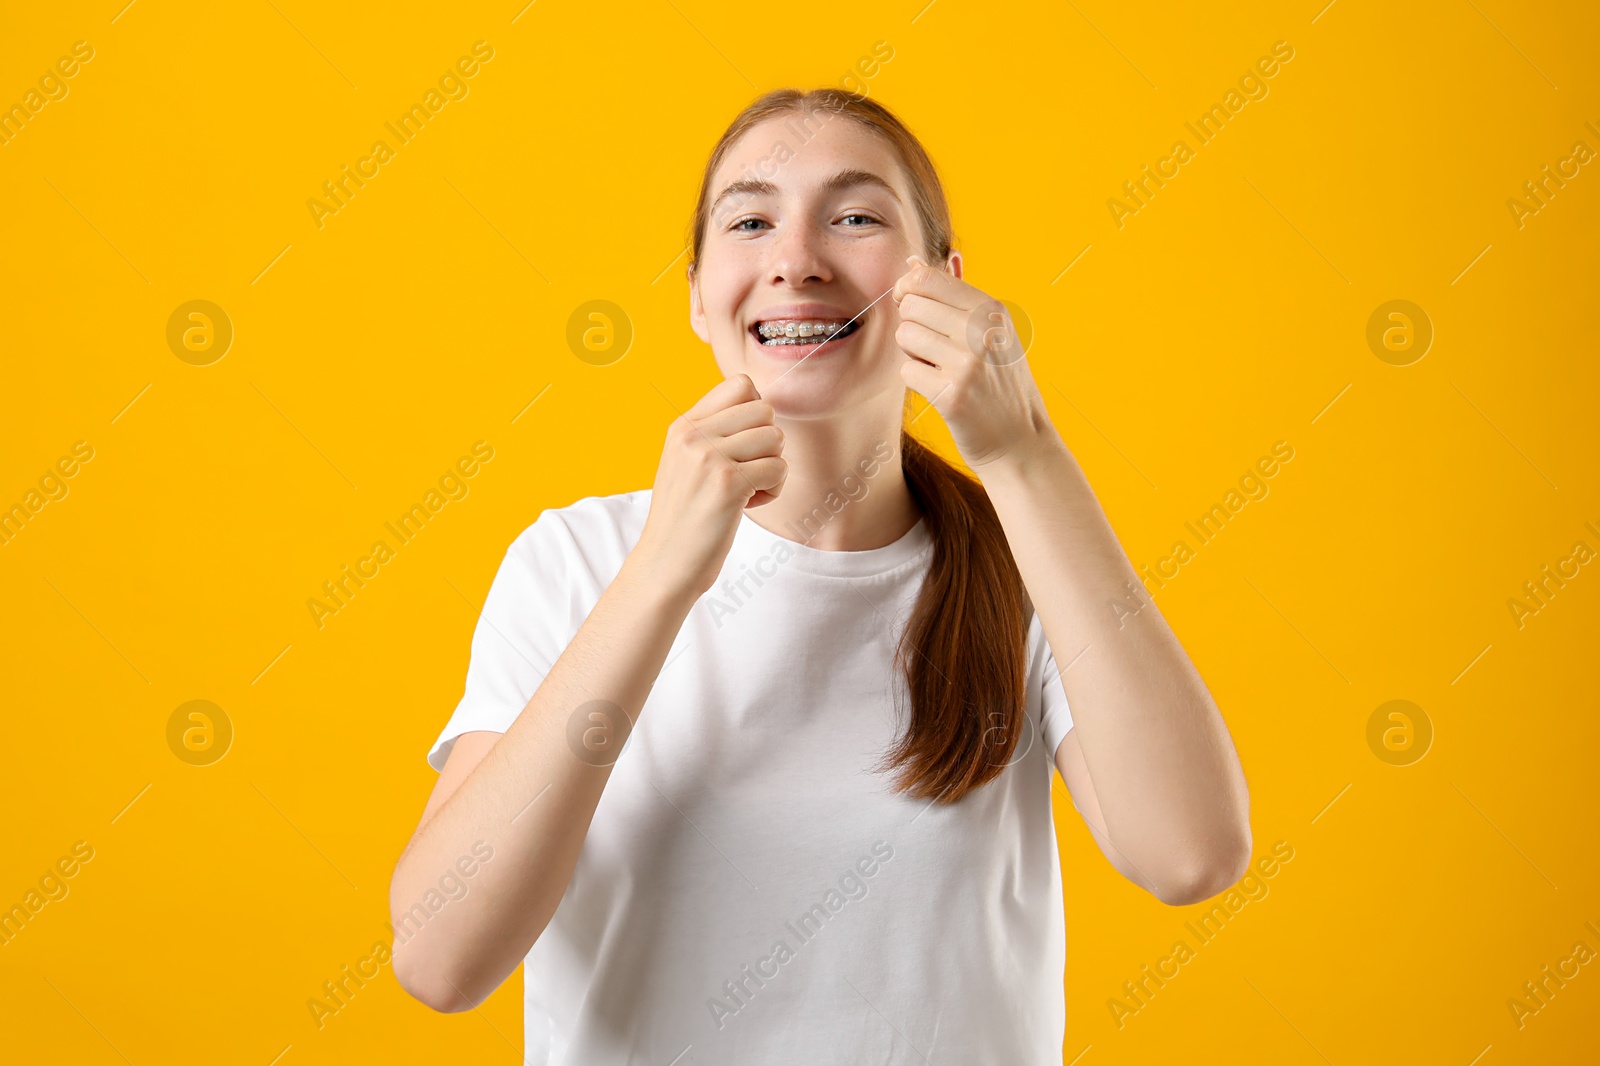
(721, 456)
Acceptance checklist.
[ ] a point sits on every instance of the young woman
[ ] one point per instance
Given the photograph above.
(754, 766)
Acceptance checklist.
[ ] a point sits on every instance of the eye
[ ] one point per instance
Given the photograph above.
(868, 218)
(738, 227)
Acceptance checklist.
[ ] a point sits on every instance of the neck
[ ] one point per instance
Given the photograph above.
(846, 487)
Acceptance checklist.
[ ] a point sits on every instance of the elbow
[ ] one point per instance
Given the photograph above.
(453, 970)
(1221, 868)
(431, 984)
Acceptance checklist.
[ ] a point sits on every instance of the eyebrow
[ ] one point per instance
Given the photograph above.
(844, 179)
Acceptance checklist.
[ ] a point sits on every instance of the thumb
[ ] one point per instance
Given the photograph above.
(913, 259)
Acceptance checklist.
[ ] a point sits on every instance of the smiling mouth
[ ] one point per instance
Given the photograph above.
(798, 332)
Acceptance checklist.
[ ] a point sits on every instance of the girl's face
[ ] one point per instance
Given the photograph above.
(806, 232)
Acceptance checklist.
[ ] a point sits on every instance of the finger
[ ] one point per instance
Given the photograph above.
(923, 344)
(922, 379)
(730, 420)
(767, 473)
(759, 442)
(725, 393)
(937, 316)
(936, 284)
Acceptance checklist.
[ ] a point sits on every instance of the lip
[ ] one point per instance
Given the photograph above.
(794, 352)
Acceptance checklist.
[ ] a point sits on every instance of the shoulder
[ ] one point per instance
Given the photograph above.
(594, 533)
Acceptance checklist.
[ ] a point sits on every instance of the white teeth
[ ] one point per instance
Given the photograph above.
(794, 332)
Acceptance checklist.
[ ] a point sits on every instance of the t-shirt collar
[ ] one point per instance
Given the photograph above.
(754, 541)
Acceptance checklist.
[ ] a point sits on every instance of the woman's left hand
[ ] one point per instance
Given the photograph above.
(964, 357)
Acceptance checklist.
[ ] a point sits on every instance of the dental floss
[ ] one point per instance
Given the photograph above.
(863, 311)
(825, 343)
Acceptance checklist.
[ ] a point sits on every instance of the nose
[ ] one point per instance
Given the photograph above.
(798, 256)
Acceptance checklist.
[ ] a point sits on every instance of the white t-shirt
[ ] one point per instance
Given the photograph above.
(749, 892)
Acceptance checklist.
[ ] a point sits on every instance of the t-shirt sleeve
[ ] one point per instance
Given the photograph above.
(1055, 717)
(522, 630)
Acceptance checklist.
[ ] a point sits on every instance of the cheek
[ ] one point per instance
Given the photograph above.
(729, 353)
(881, 357)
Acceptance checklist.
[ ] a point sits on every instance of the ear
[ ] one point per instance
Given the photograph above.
(955, 265)
(697, 310)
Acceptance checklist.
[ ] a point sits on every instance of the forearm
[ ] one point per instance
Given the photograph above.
(1164, 768)
(531, 798)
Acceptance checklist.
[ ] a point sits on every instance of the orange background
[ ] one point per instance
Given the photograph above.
(369, 354)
